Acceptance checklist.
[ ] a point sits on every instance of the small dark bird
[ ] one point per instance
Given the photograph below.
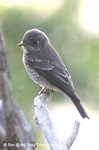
(45, 66)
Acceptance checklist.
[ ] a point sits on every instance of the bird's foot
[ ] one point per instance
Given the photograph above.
(46, 91)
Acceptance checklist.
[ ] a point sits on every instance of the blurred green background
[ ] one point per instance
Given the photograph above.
(76, 40)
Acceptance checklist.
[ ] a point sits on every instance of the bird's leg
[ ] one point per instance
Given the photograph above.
(46, 91)
(42, 90)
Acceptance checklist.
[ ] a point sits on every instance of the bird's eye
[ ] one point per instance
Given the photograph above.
(35, 42)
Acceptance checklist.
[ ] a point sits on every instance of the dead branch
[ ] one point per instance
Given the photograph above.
(43, 120)
(15, 131)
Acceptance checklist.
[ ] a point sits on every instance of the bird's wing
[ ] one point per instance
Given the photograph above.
(58, 77)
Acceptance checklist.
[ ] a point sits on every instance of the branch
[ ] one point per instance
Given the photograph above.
(2, 123)
(73, 135)
(14, 127)
(5, 78)
(43, 120)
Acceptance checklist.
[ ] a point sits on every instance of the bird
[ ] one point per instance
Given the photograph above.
(46, 68)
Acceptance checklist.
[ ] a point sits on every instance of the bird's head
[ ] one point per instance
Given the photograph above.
(34, 40)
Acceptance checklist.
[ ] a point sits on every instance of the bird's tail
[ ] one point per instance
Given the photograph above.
(79, 107)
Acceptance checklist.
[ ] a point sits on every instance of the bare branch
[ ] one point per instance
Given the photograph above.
(14, 128)
(73, 135)
(5, 83)
(43, 120)
(2, 123)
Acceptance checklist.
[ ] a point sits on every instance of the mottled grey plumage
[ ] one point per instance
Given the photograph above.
(45, 66)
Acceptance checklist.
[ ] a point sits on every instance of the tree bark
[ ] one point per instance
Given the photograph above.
(43, 120)
(15, 131)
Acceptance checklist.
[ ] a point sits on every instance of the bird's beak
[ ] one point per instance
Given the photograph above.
(21, 44)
